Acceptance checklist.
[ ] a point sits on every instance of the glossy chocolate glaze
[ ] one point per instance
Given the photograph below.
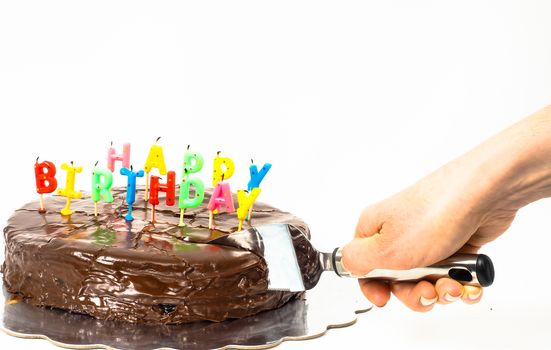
(140, 272)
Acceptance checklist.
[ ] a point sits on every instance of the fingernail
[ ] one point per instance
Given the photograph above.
(450, 298)
(427, 302)
(473, 293)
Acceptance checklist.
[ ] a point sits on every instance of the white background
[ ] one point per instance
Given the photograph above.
(351, 101)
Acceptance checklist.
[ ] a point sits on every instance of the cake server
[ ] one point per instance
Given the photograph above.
(277, 245)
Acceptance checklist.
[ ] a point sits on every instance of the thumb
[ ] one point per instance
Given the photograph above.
(366, 251)
(362, 255)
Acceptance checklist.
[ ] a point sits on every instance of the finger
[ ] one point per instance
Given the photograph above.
(420, 296)
(469, 249)
(448, 290)
(369, 223)
(362, 255)
(471, 294)
(376, 292)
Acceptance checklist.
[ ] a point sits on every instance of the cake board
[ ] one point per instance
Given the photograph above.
(334, 303)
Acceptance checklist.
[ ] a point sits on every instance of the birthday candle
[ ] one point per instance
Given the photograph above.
(193, 163)
(257, 176)
(221, 198)
(46, 182)
(112, 156)
(102, 180)
(69, 190)
(245, 200)
(155, 159)
(131, 188)
(223, 169)
(169, 188)
(256, 179)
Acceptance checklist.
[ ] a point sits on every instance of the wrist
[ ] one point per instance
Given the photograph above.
(515, 165)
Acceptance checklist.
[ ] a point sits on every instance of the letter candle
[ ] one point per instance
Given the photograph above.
(223, 168)
(112, 156)
(256, 179)
(219, 174)
(193, 163)
(169, 188)
(155, 159)
(221, 198)
(131, 188)
(69, 190)
(245, 199)
(46, 182)
(102, 180)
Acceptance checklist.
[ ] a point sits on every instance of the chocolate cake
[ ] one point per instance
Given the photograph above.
(136, 271)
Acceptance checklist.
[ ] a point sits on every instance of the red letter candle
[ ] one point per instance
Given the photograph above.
(46, 182)
(169, 188)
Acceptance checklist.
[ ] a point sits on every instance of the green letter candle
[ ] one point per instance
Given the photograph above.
(102, 180)
(193, 163)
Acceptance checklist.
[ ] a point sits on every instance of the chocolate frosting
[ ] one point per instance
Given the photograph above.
(142, 272)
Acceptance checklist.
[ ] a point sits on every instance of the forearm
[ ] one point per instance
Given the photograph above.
(514, 166)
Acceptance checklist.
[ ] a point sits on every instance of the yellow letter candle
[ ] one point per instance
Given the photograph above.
(155, 159)
(69, 190)
(245, 199)
(223, 169)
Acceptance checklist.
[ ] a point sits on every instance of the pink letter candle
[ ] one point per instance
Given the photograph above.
(221, 198)
(112, 156)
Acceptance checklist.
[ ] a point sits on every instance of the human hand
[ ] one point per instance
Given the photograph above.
(458, 208)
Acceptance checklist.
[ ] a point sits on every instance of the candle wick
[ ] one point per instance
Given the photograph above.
(188, 147)
(97, 161)
(111, 143)
(252, 162)
(131, 168)
(218, 153)
(223, 177)
(72, 163)
(158, 138)
(37, 158)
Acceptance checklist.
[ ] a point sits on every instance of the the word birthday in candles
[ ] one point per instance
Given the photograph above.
(191, 192)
